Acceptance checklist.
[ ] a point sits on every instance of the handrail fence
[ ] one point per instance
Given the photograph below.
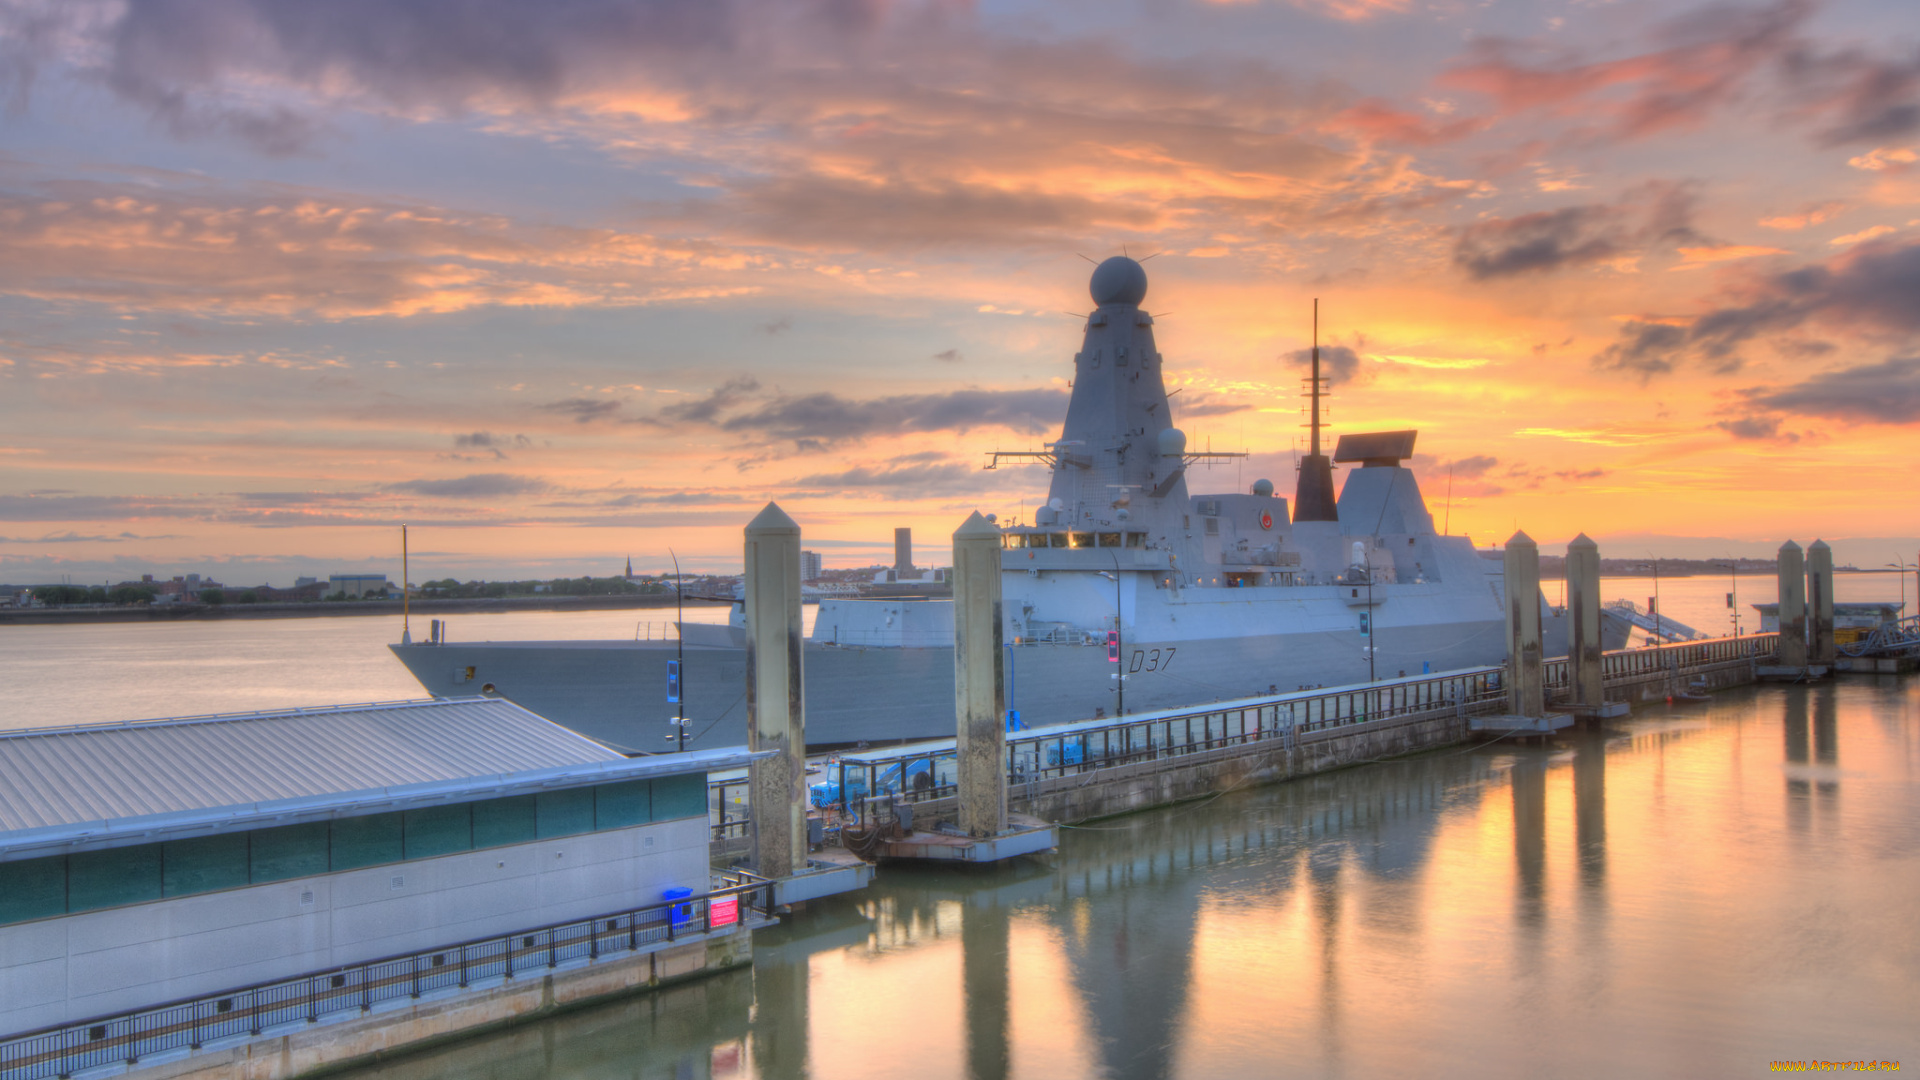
(128, 1037)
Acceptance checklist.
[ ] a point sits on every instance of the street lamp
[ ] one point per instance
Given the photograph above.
(1904, 566)
(679, 652)
(1733, 597)
(1119, 639)
(1372, 621)
(1659, 633)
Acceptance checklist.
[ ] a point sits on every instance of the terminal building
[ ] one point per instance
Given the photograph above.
(154, 861)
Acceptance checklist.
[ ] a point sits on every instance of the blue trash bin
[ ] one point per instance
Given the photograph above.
(681, 914)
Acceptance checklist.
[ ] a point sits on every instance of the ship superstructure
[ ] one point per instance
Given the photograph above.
(1126, 593)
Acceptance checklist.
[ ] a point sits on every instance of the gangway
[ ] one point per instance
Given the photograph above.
(1661, 627)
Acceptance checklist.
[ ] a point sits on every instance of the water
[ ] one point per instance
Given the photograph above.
(77, 674)
(1689, 893)
(1695, 892)
(72, 673)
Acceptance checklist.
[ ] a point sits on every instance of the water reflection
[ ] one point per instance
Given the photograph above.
(1590, 806)
(1529, 784)
(1403, 918)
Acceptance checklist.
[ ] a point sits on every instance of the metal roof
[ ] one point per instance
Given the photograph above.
(107, 785)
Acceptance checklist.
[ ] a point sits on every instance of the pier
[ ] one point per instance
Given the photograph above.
(1099, 768)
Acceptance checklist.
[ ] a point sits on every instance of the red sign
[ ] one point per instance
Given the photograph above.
(723, 910)
(1266, 521)
(1113, 646)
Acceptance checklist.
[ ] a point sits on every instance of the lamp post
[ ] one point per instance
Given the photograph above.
(1903, 566)
(1733, 596)
(679, 651)
(1120, 639)
(1659, 633)
(1372, 627)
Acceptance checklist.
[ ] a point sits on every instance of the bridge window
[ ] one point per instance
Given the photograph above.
(1110, 540)
(1057, 540)
(1136, 539)
(1081, 540)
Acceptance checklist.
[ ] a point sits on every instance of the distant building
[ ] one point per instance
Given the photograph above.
(902, 552)
(357, 585)
(809, 566)
(303, 582)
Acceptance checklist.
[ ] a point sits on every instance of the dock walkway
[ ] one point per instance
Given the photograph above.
(1095, 768)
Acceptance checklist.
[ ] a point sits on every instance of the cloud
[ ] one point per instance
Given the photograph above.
(1759, 428)
(1202, 405)
(99, 507)
(950, 356)
(1884, 393)
(1867, 292)
(1714, 57)
(487, 440)
(708, 409)
(1698, 62)
(920, 479)
(1885, 159)
(1654, 215)
(1873, 233)
(583, 410)
(1339, 364)
(824, 125)
(476, 486)
(172, 243)
(71, 537)
(1468, 468)
(1804, 217)
(827, 417)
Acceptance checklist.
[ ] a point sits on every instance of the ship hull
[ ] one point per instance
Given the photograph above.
(615, 691)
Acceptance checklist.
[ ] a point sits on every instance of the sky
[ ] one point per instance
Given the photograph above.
(558, 284)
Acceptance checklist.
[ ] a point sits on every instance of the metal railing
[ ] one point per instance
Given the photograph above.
(1638, 665)
(249, 1011)
(929, 771)
(875, 779)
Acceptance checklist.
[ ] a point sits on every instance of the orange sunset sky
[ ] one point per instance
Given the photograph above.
(560, 283)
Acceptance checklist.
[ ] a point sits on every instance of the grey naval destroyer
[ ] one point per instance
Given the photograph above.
(1201, 597)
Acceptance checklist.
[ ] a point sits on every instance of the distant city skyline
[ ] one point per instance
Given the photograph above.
(606, 277)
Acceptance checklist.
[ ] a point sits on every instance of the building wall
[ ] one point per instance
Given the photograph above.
(75, 967)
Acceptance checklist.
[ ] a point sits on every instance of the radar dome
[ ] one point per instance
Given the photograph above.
(1119, 280)
(1173, 442)
(1263, 488)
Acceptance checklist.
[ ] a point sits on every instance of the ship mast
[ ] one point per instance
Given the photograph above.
(1315, 392)
(1313, 490)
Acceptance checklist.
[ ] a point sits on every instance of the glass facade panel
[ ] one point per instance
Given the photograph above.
(680, 797)
(86, 881)
(288, 852)
(97, 879)
(203, 864)
(35, 889)
(439, 830)
(619, 805)
(565, 813)
(366, 841)
(503, 821)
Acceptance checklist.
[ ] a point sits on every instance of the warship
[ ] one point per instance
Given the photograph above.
(1125, 594)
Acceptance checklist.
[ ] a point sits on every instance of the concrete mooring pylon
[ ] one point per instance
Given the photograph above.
(1820, 645)
(1526, 681)
(776, 694)
(1792, 650)
(979, 679)
(1585, 647)
(1526, 674)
